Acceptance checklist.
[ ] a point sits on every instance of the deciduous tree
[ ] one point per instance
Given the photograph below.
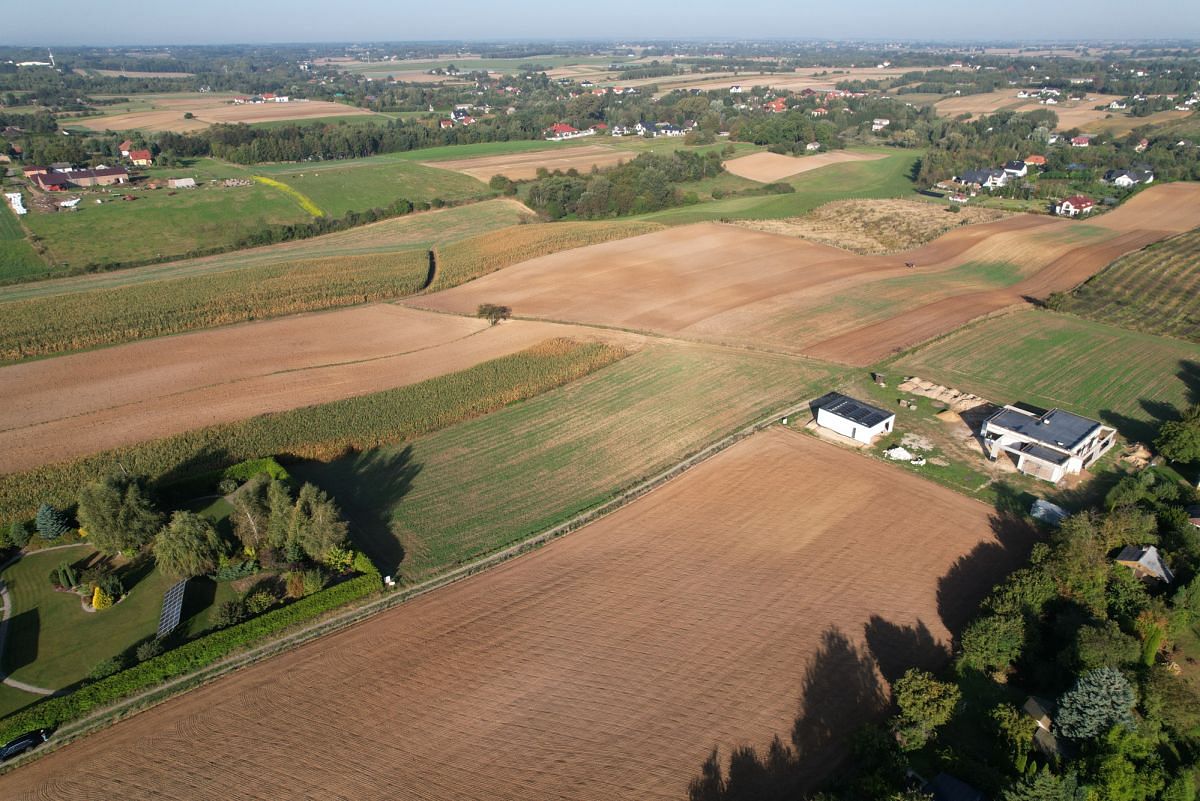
(187, 547)
(117, 514)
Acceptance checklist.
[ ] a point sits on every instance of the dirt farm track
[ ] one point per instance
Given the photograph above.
(767, 592)
(730, 285)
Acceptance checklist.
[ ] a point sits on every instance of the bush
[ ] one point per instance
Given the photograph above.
(101, 599)
(314, 580)
(233, 570)
(108, 667)
(18, 535)
(186, 658)
(227, 486)
(259, 601)
(149, 649)
(295, 584)
(230, 613)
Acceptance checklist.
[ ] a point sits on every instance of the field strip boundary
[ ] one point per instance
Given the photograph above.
(344, 619)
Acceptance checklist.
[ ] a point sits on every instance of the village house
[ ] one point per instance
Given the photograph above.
(879, 123)
(1141, 146)
(1074, 206)
(776, 106)
(820, 112)
(985, 179)
(1035, 161)
(141, 158)
(560, 131)
(124, 148)
(1016, 169)
(1145, 562)
(1118, 105)
(444, 124)
(1046, 444)
(1081, 141)
(812, 147)
(958, 197)
(852, 418)
(1043, 735)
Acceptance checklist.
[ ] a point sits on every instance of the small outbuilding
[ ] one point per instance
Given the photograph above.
(1146, 563)
(853, 418)
(181, 183)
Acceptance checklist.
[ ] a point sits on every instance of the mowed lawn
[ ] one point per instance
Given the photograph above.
(1125, 378)
(886, 177)
(474, 488)
(17, 256)
(337, 187)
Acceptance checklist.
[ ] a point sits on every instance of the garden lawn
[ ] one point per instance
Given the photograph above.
(479, 486)
(17, 257)
(12, 700)
(1127, 379)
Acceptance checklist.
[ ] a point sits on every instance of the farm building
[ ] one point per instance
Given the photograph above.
(181, 183)
(101, 176)
(1046, 444)
(1146, 563)
(853, 418)
(1074, 206)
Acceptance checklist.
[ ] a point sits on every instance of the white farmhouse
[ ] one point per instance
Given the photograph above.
(1046, 444)
(853, 418)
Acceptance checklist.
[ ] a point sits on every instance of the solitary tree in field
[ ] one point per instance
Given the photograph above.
(117, 514)
(187, 547)
(1101, 699)
(493, 313)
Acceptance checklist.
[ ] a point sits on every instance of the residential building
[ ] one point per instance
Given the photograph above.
(1046, 444)
(1074, 206)
(1080, 141)
(1146, 563)
(1035, 161)
(141, 158)
(1016, 169)
(985, 179)
(852, 418)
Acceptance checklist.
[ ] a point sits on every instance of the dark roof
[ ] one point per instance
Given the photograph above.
(1055, 428)
(851, 409)
(1014, 165)
(945, 787)
(979, 176)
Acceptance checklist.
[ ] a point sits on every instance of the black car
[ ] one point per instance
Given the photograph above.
(24, 743)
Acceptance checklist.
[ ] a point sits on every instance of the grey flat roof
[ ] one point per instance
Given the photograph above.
(852, 409)
(1055, 428)
(1043, 454)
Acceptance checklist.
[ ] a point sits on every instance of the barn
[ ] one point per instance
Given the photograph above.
(853, 418)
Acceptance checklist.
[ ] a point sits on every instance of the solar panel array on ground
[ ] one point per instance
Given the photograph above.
(172, 609)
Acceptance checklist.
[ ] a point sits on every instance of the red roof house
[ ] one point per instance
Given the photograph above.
(447, 123)
(1037, 161)
(1074, 205)
(561, 128)
(1080, 141)
(141, 158)
(777, 106)
(819, 112)
(125, 147)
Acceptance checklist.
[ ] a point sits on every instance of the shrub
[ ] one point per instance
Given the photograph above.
(259, 601)
(18, 534)
(315, 580)
(227, 486)
(188, 546)
(149, 649)
(230, 613)
(111, 585)
(339, 559)
(925, 704)
(233, 570)
(295, 584)
(101, 599)
(108, 667)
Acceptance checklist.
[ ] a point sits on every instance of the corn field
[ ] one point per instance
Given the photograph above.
(55, 325)
(320, 432)
(471, 258)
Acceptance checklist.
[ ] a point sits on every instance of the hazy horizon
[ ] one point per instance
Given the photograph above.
(308, 22)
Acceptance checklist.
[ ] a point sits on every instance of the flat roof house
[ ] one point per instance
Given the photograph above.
(1046, 444)
(853, 418)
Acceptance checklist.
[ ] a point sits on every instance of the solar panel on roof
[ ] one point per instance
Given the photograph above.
(172, 609)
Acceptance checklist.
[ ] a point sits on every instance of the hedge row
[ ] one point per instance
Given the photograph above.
(187, 658)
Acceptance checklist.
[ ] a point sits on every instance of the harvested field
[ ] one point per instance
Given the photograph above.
(1071, 113)
(874, 227)
(61, 408)
(524, 166)
(604, 666)
(769, 167)
(1058, 360)
(725, 284)
(816, 78)
(168, 114)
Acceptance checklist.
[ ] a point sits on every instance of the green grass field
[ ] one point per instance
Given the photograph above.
(422, 230)
(1153, 290)
(17, 256)
(1124, 378)
(476, 487)
(359, 184)
(12, 700)
(886, 177)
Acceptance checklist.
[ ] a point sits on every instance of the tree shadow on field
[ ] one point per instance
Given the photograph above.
(368, 487)
(840, 691)
(898, 648)
(973, 575)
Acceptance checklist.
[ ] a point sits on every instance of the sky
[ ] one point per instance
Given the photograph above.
(87, 22)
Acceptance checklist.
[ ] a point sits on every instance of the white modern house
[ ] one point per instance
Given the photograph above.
(853, 418)
(1046, 444)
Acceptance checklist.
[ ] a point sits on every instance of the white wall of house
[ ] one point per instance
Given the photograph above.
(849, 428)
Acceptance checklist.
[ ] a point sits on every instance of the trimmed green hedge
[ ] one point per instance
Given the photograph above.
(187, 658)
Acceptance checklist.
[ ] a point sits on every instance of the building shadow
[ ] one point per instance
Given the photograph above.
(367, 487)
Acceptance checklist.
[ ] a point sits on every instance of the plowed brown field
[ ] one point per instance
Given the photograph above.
(782, 576)
(726, 284)
(524, 166)
(1071, 113)
(168, 114)
(73, 405)
(768, 167)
